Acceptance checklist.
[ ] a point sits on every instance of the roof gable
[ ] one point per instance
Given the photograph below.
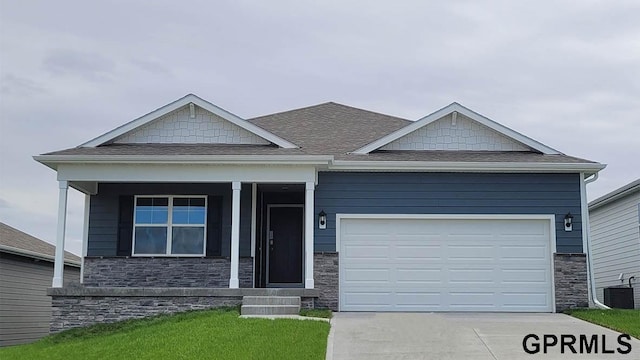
(181, 127)
(190, 120)
(456, 127)
(455, 132)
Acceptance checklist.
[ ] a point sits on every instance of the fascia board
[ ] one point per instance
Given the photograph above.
(143, 120)
(466, 112)
(440, 166)
(51, 160)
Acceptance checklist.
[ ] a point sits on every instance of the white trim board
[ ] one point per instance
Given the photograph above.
(186, 173)
(455, 107)
(459, 166)
(186, 100)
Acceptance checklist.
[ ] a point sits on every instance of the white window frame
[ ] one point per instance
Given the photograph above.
(169, 225)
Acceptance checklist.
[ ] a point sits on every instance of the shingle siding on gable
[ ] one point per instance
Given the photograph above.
(179, 128)
(449, 193)
(465, 135)
(103, 219)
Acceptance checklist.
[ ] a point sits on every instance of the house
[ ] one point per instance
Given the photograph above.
(26, 269)
(615, 239)
(191, 206)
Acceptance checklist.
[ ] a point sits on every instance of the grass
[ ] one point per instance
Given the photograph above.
(211, 334)
(624, 321)
(319, 313)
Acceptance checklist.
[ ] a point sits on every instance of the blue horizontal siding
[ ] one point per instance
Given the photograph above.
(103, 215)
(449, 193)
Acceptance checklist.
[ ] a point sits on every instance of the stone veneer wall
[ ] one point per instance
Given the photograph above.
(72, 312)
(325, 273)
(164, 272)
(570, 281)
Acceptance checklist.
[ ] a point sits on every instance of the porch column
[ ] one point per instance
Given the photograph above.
(85, 234)
(58, 267)
(309, 225)
(235, 235)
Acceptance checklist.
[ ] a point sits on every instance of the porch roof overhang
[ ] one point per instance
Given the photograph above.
(85, 171)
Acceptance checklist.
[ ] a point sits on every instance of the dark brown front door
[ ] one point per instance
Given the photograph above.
(284, 241)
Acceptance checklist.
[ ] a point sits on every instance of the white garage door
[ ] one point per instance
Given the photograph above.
(445, 264)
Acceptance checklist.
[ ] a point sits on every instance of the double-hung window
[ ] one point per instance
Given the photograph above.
(169, 225)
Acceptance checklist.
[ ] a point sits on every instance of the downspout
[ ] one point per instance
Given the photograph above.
(586, 234)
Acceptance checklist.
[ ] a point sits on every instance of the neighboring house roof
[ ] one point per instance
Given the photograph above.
(335, 134)
(621, 192)
(17, 242)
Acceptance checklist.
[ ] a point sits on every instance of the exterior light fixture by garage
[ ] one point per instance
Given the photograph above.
(322, 220)
(568, 219)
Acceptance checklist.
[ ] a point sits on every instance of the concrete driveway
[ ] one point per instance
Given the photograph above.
(465, 336)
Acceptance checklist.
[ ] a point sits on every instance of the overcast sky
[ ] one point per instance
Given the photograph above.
(564, 73)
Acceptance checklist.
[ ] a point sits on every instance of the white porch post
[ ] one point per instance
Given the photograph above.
(58, 267)
(85, 234)
(235, 235)
(309, 225)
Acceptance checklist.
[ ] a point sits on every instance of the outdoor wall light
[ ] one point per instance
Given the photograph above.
(568, 219)
(322, 220)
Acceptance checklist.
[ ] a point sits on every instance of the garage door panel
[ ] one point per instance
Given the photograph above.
(526, 253)
(417, 276)
(525, 300)
(367, 275)
(404, 251)
(471, 276)
(366, 251)
(370, 299)
(418, 301)
(470, 252)
(524, 276)
(445, 265)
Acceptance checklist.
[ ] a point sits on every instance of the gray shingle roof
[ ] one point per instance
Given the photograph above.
(465, 156)
(178, 149)
(330, 128)
(325, 129)
(24, 244)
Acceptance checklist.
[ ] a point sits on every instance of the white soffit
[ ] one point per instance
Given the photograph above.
(183, 102)
(456, 109)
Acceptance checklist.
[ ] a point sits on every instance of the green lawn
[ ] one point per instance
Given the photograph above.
(213, 334)
(624, 321)
(318, 313)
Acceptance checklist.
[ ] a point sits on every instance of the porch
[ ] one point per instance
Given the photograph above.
(256, 197)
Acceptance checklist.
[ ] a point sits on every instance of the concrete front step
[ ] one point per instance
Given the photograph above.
(271, 300)
(270, 309)
(270, 305)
